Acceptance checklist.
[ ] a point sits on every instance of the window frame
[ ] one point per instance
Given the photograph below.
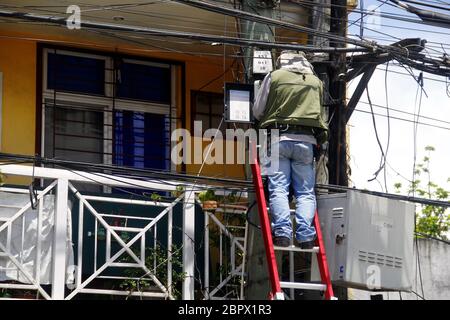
(194, 112)
(225, 124)
(106, 103)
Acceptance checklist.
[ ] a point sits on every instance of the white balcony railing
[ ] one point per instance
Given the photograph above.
(37, 248)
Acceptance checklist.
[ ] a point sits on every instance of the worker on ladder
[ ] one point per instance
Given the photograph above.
(290, 100)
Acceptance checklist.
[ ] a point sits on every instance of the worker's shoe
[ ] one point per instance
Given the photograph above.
(281, 241)
(307, 244)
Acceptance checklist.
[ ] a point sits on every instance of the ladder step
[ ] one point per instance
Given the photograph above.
(301, 285)
(296, 249)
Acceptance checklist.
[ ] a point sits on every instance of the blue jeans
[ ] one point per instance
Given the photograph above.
(296, 166)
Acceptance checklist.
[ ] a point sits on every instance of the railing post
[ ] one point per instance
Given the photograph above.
(169, 250)
(206, 242)
(188, 244)
(60, 240)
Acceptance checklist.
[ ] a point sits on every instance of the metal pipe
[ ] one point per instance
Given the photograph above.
(169, 250)
(143, 250)
(95, 243)
(128, 201)
(108, 244)
(206, 264)
(80, 243)
(38, 242)
(155, 243)
(221, 255)
(244, 256)
(60, 239)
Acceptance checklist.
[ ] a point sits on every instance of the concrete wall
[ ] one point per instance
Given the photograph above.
(434, 257)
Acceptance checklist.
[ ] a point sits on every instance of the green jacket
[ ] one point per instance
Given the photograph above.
(296, 99)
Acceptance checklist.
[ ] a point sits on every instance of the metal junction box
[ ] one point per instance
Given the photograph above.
(368, 241)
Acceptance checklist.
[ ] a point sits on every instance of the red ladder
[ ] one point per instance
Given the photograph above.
(274, 277)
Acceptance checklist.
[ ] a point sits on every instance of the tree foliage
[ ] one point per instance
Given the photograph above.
(431, 220)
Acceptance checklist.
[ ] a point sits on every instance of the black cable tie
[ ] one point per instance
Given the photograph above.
(32, 189)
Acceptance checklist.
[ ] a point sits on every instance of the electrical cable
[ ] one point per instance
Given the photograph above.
(383, 156)
(222, 10)
(391, 16)
(310, 49)
(414, 182)
(409, 74)
(432, 238)
(186, 35)
(193, 53)
(424, 201)
(405, 120)
(142, 174)
(119, 9)
(427, 5)
(405, 112)
(319, 186)
(388, 125)
(367, 13)
(417, 122)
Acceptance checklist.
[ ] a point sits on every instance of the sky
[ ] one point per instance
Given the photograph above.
(402, 94)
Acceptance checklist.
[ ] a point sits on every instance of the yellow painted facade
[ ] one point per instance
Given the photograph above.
(18, 63)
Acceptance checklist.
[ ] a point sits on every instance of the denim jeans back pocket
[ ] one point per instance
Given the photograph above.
(303, 153)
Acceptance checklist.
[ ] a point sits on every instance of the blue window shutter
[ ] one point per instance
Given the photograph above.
(143, 82)
(142, 140)
(75, 74)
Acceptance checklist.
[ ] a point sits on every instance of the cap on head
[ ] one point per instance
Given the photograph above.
(294, 61)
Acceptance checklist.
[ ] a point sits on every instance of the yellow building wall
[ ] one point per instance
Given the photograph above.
(18, 65)
(197, 76)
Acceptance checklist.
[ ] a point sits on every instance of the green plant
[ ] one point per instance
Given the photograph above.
(432, 220)
(231, 198)
(179, 190)
(207, 195)
(5, 293)
(155, 197)
(138, 280)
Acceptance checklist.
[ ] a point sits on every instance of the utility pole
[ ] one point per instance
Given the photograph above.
(320, 21)
(256, 31)
(337, 165)
(258, 284)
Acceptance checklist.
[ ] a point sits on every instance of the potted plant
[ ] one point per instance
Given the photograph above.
(208, 200)
(178, 191)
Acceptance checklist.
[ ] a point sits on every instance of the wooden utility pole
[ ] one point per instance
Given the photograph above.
(320, 21)
(256, 31)
(337, 165)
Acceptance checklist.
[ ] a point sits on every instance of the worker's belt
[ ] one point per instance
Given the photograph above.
(292, 129)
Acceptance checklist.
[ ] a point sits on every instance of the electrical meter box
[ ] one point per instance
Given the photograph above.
(368, 241)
